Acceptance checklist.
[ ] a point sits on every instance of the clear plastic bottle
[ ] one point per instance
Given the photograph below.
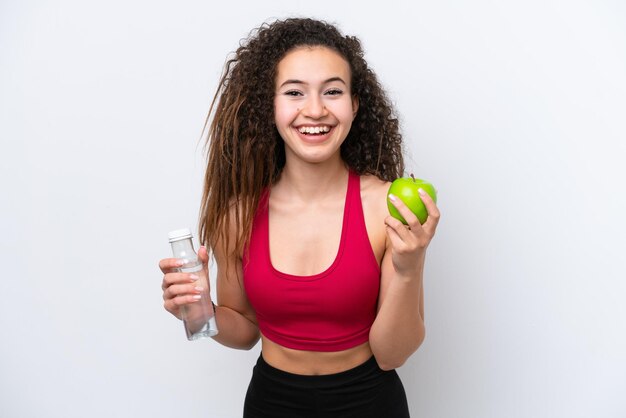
(198, 317)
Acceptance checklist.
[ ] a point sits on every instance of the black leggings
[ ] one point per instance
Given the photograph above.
(365, 391)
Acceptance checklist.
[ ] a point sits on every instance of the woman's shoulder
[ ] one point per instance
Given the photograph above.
(374, 194)
(371, 184)
(374, 203)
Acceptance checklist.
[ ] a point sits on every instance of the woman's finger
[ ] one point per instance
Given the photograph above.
(203, 256)
(181, 289)
(412, 222)
(173, 305)
(433, 212)
(394, 237)
(399, 229)
(181, 300)
(177, 278)
(169, 265)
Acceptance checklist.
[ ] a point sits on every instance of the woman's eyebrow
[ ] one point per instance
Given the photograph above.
(330, 80)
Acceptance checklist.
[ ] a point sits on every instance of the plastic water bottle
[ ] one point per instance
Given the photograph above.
(199, 316)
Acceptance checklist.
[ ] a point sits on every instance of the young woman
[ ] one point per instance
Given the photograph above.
(302, 146)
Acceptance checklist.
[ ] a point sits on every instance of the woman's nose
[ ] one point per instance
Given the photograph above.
(314, 108)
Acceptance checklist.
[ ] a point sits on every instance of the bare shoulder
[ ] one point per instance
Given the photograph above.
(374, 194)
(374, 202)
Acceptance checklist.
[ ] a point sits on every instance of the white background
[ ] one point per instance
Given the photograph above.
(515, 110)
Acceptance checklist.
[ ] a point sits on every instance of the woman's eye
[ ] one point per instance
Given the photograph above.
(292, 93)
(334, 92)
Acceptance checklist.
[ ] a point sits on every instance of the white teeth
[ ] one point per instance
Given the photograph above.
(314, 130)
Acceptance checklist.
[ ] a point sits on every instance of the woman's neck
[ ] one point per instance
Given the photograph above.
(312, 181)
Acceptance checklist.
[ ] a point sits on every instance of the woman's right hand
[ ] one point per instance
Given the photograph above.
(180, 288)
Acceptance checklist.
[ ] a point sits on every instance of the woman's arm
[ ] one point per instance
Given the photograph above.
(236, 320)
(399, 327)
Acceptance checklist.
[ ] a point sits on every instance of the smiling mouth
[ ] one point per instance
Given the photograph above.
(314, 130)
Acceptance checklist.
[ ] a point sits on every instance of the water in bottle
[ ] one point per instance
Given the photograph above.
(198, 317)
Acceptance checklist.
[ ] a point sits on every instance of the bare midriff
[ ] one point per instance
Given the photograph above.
(314, 363)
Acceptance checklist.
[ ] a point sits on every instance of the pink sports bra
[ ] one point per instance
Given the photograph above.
(329, 311)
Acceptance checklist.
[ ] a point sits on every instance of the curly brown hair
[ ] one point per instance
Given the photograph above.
(245, 151)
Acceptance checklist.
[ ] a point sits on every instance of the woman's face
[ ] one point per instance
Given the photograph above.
(313, 105)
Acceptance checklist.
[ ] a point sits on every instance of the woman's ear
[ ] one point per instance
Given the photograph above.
(355, 105)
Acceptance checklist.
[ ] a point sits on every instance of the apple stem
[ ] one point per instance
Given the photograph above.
(413, 177)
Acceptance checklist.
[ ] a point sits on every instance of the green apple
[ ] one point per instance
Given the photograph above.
(405, 188)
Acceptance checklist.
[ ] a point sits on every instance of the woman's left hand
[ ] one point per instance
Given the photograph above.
(409, 242)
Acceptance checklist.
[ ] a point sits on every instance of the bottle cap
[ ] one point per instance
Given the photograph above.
(179, 234)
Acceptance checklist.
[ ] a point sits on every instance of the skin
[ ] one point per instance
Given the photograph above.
(313, 89)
